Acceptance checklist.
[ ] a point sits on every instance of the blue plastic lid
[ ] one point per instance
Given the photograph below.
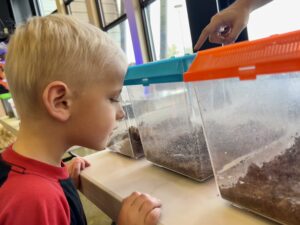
(163, 71)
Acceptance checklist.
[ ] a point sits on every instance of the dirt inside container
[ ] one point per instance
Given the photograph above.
(184, 152)
(136, 142)
(128, 143)
(231, 142)
(271, 189)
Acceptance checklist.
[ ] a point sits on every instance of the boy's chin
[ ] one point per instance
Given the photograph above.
(97, 147)
(100, 148)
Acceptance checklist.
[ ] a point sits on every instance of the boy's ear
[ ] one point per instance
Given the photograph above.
(57, 100)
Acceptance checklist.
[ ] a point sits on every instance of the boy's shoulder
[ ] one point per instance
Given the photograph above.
(30, 188)
(34, 186)
(32, 199)
(34, 192)
(26, 188)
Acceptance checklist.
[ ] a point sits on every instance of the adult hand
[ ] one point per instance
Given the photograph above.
(225, 26)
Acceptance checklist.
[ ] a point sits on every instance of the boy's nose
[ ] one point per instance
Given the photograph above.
(120, 114)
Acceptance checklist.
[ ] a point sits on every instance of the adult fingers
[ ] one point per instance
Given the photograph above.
(203, 36)
(217, 38)
(212, 29)
(234, 33)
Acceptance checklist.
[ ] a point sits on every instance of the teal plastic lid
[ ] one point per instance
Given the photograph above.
(5, 96)
(163, 71)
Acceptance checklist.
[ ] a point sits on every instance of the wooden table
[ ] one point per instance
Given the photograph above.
(112, 177)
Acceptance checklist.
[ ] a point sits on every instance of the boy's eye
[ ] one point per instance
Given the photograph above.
(116, 99)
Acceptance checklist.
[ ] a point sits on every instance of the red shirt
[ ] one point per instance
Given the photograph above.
(36, 193)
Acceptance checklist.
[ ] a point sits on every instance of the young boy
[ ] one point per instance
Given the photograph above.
(65, 78)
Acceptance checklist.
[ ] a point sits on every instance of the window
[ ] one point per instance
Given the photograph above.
(277, 17)
(121, 35)
(77, 8)
(111, 10)
(167, 28)
(114, 21)
(22, 11)
(46, 7)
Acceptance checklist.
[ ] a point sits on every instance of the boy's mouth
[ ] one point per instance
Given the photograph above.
(111, 133)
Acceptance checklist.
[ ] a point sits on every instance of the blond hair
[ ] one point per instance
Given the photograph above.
(55, 47)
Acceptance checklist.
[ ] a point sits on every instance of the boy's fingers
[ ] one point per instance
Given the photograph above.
(139, 201)
(133, 198)
(77, 162)
(84, 163)
(148, 205)
(70, 167)
(127, 202)
(78, 167)
(141, 209)
(76, 172)
(153, 216)
(87, 163)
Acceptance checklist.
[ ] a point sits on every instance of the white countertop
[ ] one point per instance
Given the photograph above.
(112, 177)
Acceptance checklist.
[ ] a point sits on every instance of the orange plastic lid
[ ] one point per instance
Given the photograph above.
(276, 54)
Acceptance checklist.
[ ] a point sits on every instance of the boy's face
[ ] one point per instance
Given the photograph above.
(97, 111)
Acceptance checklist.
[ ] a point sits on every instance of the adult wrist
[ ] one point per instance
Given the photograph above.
(250, 5)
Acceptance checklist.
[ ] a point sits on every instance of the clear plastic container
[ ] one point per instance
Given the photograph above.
(249, 95)
(126, 138)
(168, 117)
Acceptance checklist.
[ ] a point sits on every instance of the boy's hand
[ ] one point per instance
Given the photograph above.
(139, 209)
(74, 167)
